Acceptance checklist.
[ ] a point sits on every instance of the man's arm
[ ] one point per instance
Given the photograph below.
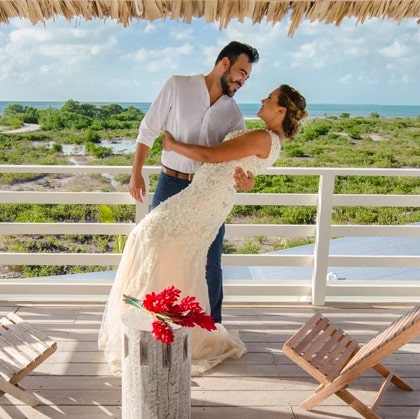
(149, 129)
(137, 186)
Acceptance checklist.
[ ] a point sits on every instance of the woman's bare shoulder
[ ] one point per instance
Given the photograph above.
(260, 133)
(251, 134)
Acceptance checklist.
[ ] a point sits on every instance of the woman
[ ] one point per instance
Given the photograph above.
(169, 246)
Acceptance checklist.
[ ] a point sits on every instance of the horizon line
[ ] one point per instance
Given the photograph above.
(239, 103)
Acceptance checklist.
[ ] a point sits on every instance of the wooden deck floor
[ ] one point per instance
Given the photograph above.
(76, 383)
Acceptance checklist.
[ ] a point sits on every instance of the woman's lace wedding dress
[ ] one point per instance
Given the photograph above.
(169, 247)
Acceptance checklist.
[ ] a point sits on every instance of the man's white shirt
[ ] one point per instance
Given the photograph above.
(183, 108)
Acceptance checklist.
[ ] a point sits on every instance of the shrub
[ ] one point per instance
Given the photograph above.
(57, 148)
(92, 136)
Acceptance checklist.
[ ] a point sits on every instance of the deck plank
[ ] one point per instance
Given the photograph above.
(76, 382)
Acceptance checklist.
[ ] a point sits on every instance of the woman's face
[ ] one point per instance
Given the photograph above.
(269, 106)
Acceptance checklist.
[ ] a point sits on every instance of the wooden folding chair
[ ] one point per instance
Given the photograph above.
(22, 349)
(335, 359)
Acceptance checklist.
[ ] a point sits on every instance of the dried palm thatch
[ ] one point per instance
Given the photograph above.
(222, 11)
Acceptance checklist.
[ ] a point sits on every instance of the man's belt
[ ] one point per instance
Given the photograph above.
(177, 175)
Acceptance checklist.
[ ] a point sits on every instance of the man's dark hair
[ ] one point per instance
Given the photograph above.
(234, 49)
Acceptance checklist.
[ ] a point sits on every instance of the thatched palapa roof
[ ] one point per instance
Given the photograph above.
(222, 11)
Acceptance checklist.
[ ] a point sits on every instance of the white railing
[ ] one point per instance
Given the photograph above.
(315, 288)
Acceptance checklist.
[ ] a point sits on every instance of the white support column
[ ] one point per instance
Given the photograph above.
(156, 378)
(141, 210)
(322, 238)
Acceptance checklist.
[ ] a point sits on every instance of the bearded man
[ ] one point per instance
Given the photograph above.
(197, 109)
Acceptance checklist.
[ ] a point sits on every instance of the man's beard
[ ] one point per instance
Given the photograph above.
(225, 81)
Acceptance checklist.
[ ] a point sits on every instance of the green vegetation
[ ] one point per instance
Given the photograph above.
(345, 142)
(323, 142)
(73, 115)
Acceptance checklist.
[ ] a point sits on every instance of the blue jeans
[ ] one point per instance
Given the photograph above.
(168, 186)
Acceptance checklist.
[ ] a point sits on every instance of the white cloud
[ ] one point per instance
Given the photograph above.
(97, 61)
(150, 28)
(368, 79)
(74, 44)
(307, 54)
(157, 60)
(346, 79)
(181, 35)
(29, 35)
(395, 50)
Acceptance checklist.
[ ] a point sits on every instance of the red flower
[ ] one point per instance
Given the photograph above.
(163, 332)
(164, 308)
(161, 302)
(190, 303)
(203, 320)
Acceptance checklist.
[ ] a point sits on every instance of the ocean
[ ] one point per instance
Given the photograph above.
(249, 110)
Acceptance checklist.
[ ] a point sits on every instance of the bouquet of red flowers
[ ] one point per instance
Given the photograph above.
(164, 307)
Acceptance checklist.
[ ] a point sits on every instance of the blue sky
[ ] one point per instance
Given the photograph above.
(376, 62)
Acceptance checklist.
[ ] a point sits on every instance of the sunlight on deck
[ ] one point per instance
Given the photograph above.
(264, 384)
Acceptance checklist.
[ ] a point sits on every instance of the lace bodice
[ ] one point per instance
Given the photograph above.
(209, 198)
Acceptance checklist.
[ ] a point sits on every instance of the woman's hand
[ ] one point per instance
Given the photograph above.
(168, 141)
(244, 181)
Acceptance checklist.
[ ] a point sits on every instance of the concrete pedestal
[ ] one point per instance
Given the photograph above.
(156, 378)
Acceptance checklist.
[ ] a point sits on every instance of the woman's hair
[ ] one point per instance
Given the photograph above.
(295, 104)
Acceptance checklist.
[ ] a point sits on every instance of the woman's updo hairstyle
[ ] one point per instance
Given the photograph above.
(295, 104)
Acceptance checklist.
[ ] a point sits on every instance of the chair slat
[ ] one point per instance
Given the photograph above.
(22, 349)
(8, 368)
(11, 342)
(308, 338)
(302, 331)
(330, 343)
(36, 336)
(351, 348)
(318, 341)
(411, 319)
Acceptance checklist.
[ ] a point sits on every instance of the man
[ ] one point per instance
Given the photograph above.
(196, 109)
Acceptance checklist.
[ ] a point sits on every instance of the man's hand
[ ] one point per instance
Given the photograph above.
(137, 187)
(244, 181)
(168, 141)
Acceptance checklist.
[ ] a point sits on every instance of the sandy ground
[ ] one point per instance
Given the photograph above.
(25, 128)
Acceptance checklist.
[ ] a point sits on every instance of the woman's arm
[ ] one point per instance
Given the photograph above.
(252, 143)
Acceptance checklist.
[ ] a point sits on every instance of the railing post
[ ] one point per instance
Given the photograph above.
(322, 239)
(142, 209)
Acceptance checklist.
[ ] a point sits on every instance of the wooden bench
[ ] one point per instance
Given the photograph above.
(22, 349)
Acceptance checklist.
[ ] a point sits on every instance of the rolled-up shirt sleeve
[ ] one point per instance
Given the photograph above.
(155, 119)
